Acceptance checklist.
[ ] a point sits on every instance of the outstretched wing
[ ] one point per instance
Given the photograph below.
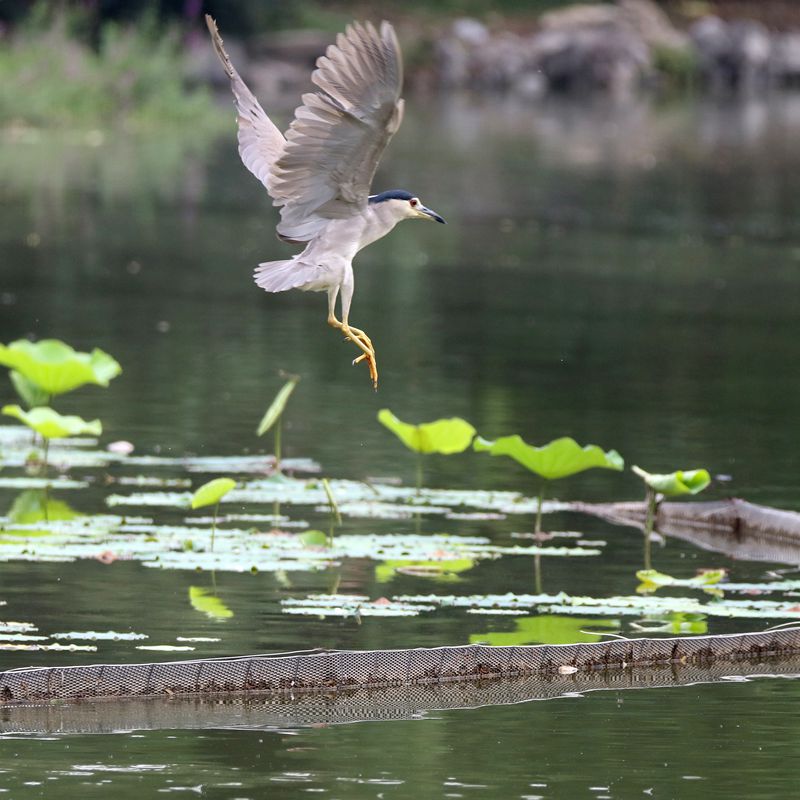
(260, 142)
(338, 135)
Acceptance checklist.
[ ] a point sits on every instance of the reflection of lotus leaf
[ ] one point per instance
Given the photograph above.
(208, 604)
(558, 459)
(443, 436)
(689, 481)
(55, 367)
(652, 580)
(438, 570)
(212, 492)
(546, 629)
(52, 425)
(678, 622)
(34, 505)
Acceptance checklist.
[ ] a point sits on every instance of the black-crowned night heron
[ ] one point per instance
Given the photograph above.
(320, 172)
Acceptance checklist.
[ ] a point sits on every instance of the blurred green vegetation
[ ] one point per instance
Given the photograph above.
(135, 78)
(242, 17)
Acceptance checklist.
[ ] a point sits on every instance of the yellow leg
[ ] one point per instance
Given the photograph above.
(361, 340)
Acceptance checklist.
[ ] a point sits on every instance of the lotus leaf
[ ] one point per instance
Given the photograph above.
(208, 604)
(314, 538)
(30, 392)
(55, 367)
(211, 493)
(275, 410)
(558, 459)
(690, 481)
(52, 425)
(443, 436)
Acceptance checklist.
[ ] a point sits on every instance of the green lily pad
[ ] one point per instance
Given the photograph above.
(443, 436)
(277, 406)
(211, 493)
(557, 459)
(691, 481)
(546, 629)
(208, 604)
(55, 367)
(52, 425)
(314, 538)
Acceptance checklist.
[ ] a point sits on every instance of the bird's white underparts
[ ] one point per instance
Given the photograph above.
(320, 172)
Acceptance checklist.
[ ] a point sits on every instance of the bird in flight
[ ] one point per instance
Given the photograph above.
(320, 172)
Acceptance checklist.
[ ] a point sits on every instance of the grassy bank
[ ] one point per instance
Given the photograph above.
(135, 79)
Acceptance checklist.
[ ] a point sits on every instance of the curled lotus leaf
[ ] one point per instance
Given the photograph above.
(211, 493)
(557, 459)
(273, 413)
(55, 367)
(52, 425)
(443, 436)
(682, 481)
(31, 393)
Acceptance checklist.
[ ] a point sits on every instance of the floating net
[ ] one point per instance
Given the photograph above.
(255, 710)
(341, 670)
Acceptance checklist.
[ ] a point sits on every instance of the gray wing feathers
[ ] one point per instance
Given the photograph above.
(260, 142)
(335, 142)
(280, 276)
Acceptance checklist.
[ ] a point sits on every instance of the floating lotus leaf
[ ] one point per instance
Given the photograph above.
(314, 538)
(55, 367)
(558, 459)
(52, 425)
(208, 604)
(278, 405)
(691, 481)
(546, 629)
(211, 493)
(443, 436)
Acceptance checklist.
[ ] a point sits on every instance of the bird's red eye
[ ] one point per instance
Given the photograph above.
(413, 202)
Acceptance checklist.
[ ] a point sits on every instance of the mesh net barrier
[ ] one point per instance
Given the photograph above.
(284, 710)
(339, 670)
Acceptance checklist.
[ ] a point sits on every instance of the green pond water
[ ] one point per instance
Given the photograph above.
(626, 275)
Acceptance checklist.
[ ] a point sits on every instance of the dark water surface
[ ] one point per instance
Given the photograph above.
(628, 276)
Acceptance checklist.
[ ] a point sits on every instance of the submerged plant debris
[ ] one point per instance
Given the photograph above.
(238, 549)
(355, 498)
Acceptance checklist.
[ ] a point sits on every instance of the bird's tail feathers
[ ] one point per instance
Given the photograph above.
(280, 276)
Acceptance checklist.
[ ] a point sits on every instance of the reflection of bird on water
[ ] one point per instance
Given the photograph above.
(320, 173)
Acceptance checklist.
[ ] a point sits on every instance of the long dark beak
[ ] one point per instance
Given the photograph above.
(432, 214)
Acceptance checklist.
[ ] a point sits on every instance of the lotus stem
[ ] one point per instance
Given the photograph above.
(538, 528)
(214, 525)
(537, 573)
(278, 426)
(46, 452)
(649, 522)
(419, 474)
